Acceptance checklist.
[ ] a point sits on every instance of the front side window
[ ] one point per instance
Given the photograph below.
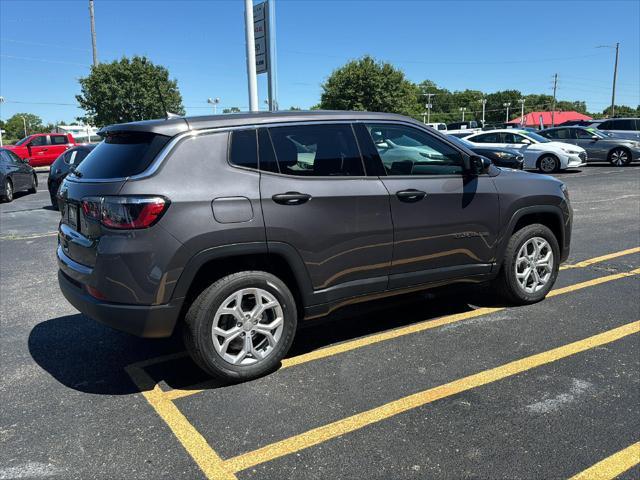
(39, 141)
(244, 149)
(409, 151)
(564, 133)
(317, 150)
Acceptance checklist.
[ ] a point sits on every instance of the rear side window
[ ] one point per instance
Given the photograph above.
(122, 155)
(487, 138)
(622, 125)
(38, 141)
(58, 140)
(244, 149)
(317, 150)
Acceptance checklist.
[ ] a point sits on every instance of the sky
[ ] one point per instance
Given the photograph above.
(45, 46)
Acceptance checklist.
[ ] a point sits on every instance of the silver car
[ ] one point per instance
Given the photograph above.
(619, 127)
(599, 146)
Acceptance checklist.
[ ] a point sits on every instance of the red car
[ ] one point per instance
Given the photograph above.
(41, 149)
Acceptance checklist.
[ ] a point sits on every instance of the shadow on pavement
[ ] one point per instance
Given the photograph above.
(89, 357)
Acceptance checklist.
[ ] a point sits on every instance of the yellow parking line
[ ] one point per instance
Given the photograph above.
(193, 442)
(603, 258)
(355, 422)
(612, 466)
(400, 332)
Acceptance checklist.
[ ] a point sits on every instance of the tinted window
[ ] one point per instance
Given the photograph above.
(622, 125)
(317, 150)
(564, 133)
(82, 154)
(267, 157)
(12, 156)
(58, 140)
(5, 157)
(122, 155)
(38, 141)
(487, 138)
(550, 134)
(409, 151)
(244, 149)
(586, 134)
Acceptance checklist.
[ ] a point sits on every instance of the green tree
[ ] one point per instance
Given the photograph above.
(622, 111)
(496, 111)
(231, 110)
(15, 126)
(127, 90)
(293, 108)
(366, 84)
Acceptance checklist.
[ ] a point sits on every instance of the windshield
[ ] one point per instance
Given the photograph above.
(595, 132)
(23, 141)
(536, 137)
(461, 141)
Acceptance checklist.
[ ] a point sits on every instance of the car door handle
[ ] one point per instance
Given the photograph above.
(411, 195)
(291, 198)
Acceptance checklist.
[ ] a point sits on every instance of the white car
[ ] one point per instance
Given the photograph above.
(539, 152)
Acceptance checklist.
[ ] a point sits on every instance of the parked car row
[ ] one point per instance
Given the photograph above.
(15, 175)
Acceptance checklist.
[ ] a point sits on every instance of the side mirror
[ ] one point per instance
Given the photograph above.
(595, 137)
(526, 141)
(478, 165)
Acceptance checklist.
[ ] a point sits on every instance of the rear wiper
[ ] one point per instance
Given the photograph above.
(75, 172)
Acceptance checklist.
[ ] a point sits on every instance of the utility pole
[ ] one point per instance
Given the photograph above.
(507, 104)
(521, 102)
(251, 56)
(1, 102)
(613, 90)
(463, 109)
(272, 74)
(553, 107)
(93, 34)
(428, 106)
(484, 103)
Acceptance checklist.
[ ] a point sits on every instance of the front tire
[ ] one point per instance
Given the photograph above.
(8, 190)
(241, 326)
(548, 164)
(619, 157)
(530, 265)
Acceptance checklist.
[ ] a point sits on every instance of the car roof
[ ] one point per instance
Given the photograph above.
(176, 125)
(500, 130)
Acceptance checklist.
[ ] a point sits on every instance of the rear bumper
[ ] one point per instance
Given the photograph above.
(150, 321)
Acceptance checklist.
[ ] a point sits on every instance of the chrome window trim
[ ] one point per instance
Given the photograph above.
(168, 148)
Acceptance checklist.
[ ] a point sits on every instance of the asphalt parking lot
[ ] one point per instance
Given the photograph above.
(445, 384)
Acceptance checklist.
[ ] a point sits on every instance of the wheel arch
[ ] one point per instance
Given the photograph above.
(277, 258)
(548, 154)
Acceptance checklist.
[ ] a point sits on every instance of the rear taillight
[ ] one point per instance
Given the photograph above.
(125, 213)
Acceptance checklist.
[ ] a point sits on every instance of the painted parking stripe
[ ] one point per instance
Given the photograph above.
(603, 258)
(613, 466)
(355, 422)
(400, 332)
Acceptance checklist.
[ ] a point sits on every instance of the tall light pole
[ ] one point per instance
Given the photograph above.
(507, 104)
(553, 107)
(521, 102)
(428, 106)
(214, 102)
(484, 104)
(251, 55)
(615, 75)
(463, 109)
(93, 34)
(24, 123)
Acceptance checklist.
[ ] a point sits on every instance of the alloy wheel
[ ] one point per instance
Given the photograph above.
(548, 164)
(619, 157)
(534, 264)
(8, 190)
(247, 326)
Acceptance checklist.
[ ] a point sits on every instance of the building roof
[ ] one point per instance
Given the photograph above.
(176, 125)
(533, 119)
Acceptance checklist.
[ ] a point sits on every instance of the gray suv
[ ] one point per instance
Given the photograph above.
(239, 227)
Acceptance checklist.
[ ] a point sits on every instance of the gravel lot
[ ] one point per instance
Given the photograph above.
(446, 384)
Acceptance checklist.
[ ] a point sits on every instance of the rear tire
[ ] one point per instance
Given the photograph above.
(548, 164)
(8, 190)
(34, 184)
(619, 157)
(522, 255)
(237, 344)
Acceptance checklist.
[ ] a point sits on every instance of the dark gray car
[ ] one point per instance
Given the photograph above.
(241, 226)
(599, 147)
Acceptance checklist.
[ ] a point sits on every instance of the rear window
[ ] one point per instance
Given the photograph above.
(122, 155)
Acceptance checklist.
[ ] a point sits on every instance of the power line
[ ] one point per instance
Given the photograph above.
(32, 59)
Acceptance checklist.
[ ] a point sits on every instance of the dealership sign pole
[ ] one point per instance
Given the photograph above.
(264, 33)
(251, 55)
